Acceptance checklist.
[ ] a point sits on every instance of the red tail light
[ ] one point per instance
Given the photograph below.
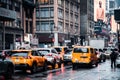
(49, 55)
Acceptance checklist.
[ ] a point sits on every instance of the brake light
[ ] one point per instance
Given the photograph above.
(49, 55)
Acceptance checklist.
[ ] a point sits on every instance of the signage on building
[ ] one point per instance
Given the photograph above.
(7, 13)
(97, 29)
(34, 41)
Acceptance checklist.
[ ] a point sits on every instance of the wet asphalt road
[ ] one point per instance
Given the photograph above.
(102, 72)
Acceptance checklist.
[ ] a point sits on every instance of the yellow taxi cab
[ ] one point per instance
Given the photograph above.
(28, 60)
(61, 50)
(84, 55)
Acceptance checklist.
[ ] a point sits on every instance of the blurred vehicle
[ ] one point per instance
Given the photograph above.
(100, 55)
(6, 52)
(67, 56)
(118, 61)
(51, 55)
(84, 55)
(6, 66)
(28, 60)
(61, 50)
(107, 52)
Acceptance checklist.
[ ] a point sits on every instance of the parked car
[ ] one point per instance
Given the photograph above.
(107, 52)
(67, 56)
(6, 66)
(51, 55)
(28, 60)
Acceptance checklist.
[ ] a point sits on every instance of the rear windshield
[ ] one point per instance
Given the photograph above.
(44, 51)
(80, 50)
(58, 49)
(23, 54)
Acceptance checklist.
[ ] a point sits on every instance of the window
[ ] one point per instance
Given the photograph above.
(60, 2)
(71, 16)
(66, 4)
(37, 26)
(53, 51)
(37, 13)
(51, 12)
(44, 12)
(60, 26)
(71, 6)
(34, 53)
(67, 15)
(51, 1)
(43, 1)
(80, 50)
(91, 50)
(66, 28)
(60, 13)
(76, 18)
(44, 26)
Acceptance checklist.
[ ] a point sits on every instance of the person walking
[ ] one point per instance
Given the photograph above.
(113, 57)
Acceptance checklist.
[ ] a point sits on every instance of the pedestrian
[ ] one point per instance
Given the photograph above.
(113, 57)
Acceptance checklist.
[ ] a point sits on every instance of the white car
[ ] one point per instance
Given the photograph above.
(51, 55)
(67, 56)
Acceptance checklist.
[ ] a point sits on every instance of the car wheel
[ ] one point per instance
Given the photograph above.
(10, 72)
(54, 64)
(59, 64)
(73, 66)
(96, 64)
(91, 64)
(34, 68)
(45, 66)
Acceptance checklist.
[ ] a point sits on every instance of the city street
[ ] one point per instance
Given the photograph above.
(102, 72)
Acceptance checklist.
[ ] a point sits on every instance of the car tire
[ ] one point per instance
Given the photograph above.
(59, 64)
(73, 66)
(34, 68)
(45, 66)
(10, 72)
(54, 64)
(96, 64)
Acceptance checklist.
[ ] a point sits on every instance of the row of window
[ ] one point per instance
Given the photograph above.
(48, 26)
(10, 4)
(45, 1)
(49, 12)
(44, 12)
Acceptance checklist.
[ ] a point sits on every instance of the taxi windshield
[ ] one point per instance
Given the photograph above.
(23, 53)
(80, 50)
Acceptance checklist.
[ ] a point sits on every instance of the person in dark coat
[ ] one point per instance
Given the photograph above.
(113, 57)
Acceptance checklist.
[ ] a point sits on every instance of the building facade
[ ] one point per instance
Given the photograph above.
(16, 19)
(86, 20)
(57, 21)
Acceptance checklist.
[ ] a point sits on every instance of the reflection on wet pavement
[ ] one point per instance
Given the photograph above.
(102, 72)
